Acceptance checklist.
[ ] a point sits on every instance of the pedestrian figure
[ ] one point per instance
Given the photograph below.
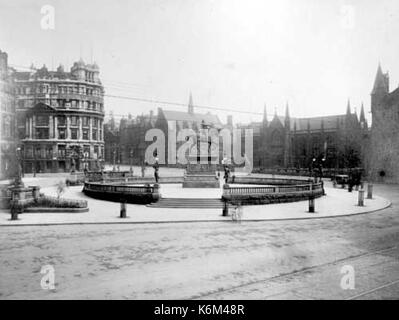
(143, 169)
(156, 170)
(226, 174)
(237, 213)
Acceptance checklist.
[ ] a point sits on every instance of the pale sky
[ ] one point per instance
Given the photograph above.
(235, 54)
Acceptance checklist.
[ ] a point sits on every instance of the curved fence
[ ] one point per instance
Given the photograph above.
(274, 191)
(120, 192)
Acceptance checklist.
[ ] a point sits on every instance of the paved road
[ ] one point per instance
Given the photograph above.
(258, 260)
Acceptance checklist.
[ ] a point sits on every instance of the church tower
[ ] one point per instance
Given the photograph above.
(190, 104)
(380, 89)
(384, 155)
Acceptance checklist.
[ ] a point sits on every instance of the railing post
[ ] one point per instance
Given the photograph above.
(360, 201)
(311, 203)
(225, 208)
(370, 191)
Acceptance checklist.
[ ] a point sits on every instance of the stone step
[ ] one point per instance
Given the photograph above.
(205, 203)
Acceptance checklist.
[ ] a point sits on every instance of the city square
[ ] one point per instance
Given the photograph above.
(191, 166)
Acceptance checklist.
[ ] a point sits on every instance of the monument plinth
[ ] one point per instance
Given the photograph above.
(202, 165)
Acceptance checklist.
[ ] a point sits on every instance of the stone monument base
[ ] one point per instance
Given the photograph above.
(201, 173)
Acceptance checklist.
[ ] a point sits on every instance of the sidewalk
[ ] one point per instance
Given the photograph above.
(337, 202)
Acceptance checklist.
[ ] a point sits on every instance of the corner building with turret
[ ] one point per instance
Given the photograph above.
(60, 118)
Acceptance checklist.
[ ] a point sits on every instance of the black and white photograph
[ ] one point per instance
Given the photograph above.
(190, 150)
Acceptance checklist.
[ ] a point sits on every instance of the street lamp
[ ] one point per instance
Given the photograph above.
(114, 159)
(131, 160)
(18, 177)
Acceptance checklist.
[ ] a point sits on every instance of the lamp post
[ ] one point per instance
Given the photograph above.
(86, 161)
(18, 176)
(312, 165)
(114, 159)
(34, 162)
(131, 160)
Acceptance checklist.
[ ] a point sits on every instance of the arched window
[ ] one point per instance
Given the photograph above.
(277, 139)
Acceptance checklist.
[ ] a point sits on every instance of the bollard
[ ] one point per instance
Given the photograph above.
(311, 204)
(14, 213)
(225, 209)
(360, 201)
(369, 191)
(123, 209)
(15, 209)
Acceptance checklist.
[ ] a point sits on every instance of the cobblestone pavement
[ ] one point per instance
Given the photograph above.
(260, 260)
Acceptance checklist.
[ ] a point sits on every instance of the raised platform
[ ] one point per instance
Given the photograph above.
(201, 173)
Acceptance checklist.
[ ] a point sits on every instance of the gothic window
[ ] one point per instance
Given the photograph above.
(277, 140)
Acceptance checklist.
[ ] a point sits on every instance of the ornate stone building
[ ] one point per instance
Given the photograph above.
(126, 144)
(60, 118)
(384, 139)
(295, 142)
(8, 143)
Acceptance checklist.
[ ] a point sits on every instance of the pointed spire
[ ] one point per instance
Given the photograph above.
(190, 104)
(287, 111)
(381, 82)
(264, 115)
(362, 117)
(348, 108)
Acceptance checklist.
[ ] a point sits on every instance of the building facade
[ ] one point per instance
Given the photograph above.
(126, 143)
(384, 139)
(60, 118)
(294, 142)
(8, 142)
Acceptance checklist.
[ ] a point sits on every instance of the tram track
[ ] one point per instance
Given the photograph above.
(307, 269)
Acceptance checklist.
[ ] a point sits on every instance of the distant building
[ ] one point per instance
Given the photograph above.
(60, 118)
(295, 142)
(8, 141)
(127, 143)
(384, 139)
